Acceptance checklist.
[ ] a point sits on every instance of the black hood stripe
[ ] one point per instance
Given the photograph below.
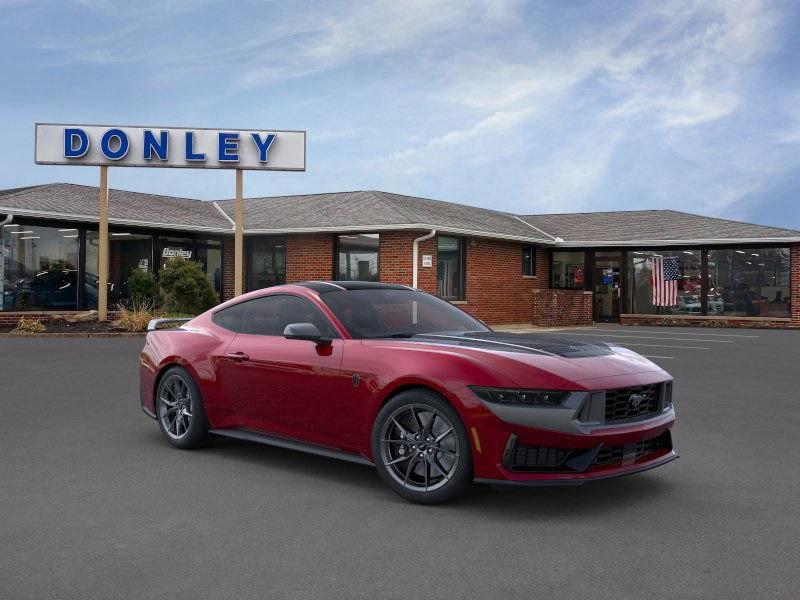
(536, 343)
(516, 347)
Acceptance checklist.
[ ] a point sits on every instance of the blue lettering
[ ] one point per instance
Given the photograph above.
(122, 144)
(263, 145)
(159, 146)
(228, 147)
(70, 137)
(190, 153)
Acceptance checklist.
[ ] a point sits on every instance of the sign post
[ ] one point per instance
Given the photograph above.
(103, 253)
(175, 147)
(238, 242)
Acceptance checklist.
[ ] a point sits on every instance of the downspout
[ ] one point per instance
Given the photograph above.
(415, 257)
(7, 220)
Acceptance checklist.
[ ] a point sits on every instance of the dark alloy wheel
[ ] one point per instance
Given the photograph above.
(421, 449)
(179, 410)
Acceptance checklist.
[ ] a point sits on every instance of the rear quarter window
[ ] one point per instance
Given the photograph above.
(230, 318)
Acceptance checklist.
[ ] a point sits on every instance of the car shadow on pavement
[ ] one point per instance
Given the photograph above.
(608, 496)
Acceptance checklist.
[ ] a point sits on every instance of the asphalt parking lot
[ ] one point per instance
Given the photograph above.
(94, 504)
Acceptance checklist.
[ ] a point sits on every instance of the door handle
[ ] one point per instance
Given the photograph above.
(237, 356)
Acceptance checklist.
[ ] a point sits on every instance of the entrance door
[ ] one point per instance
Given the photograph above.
(607, 285)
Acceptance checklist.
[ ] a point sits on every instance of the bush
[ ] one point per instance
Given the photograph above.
(185, 288)
(143, 289)
(135, 316)
(26, 325)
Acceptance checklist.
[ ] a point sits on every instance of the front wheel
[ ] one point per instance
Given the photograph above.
(180, 413)
(421, 449)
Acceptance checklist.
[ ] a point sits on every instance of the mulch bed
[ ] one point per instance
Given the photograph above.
(60, 326)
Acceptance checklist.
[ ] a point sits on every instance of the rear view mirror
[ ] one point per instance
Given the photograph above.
(305, 331)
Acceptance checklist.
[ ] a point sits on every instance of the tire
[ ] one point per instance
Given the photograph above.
(178, 392)
(421, 449)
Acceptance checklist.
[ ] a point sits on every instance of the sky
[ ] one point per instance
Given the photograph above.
(529, 107)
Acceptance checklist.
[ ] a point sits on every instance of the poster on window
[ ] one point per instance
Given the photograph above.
(575, 275)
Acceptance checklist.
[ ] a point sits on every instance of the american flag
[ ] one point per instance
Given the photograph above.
(664, 277)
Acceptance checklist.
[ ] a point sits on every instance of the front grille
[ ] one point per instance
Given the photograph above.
(536, 458)
(629, 403)
(615, 454)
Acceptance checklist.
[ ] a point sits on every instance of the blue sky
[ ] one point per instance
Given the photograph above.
(522, 106)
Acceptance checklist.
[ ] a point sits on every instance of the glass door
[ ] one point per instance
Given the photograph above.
(607, 285)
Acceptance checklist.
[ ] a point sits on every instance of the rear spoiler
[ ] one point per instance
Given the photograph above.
(154, 324)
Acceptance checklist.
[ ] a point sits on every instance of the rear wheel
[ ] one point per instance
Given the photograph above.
(421, 449)
(180, 413)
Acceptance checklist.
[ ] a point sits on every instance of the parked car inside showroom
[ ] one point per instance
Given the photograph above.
(394, 377)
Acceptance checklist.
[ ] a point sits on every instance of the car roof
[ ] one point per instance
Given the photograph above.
(332, 286)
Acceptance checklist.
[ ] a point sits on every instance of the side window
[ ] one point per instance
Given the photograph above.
(270, 315)
(230, 318)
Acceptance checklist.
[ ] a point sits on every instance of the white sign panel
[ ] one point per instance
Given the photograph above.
(189, 148)
(427, 260)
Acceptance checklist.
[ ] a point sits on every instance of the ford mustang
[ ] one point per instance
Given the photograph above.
(393, 377)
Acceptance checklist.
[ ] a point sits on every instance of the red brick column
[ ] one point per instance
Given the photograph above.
(309, 256)
(228, 264)
(794, 284)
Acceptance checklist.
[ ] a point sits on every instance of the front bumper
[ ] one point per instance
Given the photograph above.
(580, 478)
(530, 454)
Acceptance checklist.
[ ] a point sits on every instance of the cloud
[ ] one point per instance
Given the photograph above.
(463, 146)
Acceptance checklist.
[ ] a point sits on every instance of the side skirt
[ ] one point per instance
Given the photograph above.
(282, 442)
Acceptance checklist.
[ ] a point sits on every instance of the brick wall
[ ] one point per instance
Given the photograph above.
(228, 269)
(396, 250)
(497, 292)
(556, 308)
(309, 257)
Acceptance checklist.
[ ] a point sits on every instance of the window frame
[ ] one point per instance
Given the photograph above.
(588, 259)
(462, 297)
(532, 249)
(336, 246)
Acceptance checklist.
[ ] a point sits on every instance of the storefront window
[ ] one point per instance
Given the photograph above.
(127, 252)
(450, 270)
(666, 282)
(266, 261)
(568, 270)
(209, 255)
(747, 282)
(357, 257)
(39, 268)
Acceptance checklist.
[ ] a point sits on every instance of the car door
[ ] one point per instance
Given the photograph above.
(288, 387)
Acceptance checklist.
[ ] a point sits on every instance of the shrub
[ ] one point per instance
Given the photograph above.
(26, 325)
(185, 288)
(143, 289)
(135, 316)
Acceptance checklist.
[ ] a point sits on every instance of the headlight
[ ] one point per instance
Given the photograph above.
(520, 397)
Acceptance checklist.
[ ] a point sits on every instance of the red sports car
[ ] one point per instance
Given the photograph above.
(390, 376)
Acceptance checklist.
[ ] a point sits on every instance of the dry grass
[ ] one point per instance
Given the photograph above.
(26, 325)
(134, 318)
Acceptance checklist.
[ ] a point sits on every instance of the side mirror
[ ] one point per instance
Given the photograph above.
(305, 331)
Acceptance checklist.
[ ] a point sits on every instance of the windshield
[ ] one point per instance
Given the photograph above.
(375, 313)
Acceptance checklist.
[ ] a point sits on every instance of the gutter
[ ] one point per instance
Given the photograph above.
(415, 256)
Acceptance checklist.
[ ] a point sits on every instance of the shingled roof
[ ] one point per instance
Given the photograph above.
(73, 202)
(365, 211)
(374, 210)
(635, 227)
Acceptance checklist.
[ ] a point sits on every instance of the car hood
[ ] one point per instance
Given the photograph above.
(524, 358)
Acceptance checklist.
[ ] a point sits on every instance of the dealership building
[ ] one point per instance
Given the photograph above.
(650, 266)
